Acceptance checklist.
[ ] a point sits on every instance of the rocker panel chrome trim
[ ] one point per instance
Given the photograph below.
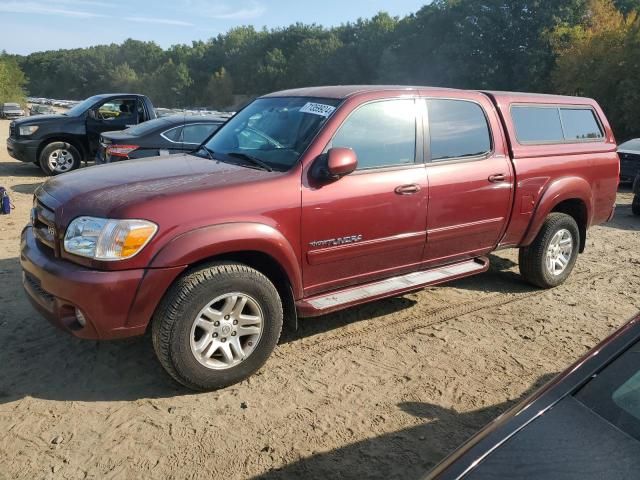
(410, 280)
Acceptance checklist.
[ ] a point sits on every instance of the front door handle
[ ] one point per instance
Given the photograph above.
(407, 189)
(497, 177)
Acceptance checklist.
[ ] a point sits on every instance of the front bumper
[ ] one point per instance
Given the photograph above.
(23, 149)
(115, 304)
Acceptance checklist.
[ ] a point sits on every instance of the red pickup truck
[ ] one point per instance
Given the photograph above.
(309, 201)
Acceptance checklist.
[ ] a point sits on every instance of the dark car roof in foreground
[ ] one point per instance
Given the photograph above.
(345, 91)
(479, 447)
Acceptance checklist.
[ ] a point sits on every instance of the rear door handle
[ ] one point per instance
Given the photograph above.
(407, 189)
(497, 177)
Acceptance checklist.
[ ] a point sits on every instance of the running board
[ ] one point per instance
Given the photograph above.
(337, 300)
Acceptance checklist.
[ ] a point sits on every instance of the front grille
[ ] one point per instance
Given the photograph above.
(12, 129)
(35, 285)
(44, 226)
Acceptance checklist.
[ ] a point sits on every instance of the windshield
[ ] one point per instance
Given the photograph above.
(11, 105)
(274, 130)
(83, 106)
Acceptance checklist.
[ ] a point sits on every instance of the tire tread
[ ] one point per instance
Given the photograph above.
(531, 259)
(167, 313)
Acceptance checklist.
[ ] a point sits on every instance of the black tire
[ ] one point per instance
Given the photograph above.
(175, 316)
(635, 205)
(532, 259)
(63, 148)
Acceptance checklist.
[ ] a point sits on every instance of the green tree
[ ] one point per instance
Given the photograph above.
(169, 84)
(123, 78)
(12, 81)
(600, 58)
(220, 89)
(273, 70)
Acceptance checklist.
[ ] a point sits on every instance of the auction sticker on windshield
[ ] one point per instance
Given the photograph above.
(318, 109)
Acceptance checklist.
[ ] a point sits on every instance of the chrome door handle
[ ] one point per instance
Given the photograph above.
(497, 177)
(407, 189)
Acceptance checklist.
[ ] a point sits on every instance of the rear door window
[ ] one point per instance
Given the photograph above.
(198, 133)
(458, 129)
(173, 135)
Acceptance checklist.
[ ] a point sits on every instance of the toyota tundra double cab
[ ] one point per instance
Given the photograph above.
(313, 200)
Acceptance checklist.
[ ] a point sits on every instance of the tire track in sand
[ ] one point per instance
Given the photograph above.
(359, 335)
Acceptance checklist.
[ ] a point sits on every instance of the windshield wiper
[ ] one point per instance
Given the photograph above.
(207, 151)
(252, 159)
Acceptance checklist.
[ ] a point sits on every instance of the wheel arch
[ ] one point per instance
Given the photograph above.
(571, 196)
(256, 245)
(577, 209)
(270, 268)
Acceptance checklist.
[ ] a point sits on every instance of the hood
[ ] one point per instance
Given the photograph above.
(111, 189)
(40, 119)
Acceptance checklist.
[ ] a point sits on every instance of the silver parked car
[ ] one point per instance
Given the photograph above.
(11, 111)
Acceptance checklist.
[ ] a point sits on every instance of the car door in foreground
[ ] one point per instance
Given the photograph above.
(583, 425)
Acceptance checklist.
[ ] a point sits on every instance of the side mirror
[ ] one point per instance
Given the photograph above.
(92, 114)
(341, 162)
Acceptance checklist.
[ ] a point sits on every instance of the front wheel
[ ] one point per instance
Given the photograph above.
(549, 260)
(59, 157)
(217, 325)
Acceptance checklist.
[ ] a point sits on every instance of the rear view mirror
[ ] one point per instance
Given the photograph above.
(341, 162)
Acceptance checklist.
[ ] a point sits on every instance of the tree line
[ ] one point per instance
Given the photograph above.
(575, 47)
(12, 81)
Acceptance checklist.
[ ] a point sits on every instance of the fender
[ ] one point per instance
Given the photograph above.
(565, 188)
(206, 242)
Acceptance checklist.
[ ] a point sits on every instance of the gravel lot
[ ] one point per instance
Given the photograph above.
(380, 391)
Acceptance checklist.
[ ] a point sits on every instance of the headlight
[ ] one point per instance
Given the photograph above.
(104, 239)
(28, 129)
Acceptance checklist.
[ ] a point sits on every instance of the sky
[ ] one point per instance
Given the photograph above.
(35, 25)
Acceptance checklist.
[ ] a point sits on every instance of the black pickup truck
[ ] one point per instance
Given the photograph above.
(58, 143)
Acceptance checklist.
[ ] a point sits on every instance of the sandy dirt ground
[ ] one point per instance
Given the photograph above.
(380, 391)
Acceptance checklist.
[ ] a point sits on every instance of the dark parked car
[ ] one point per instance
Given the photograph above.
(629, 153)
(584, 424)
(41, 110)
(162, 136)
(10, 111)
(635, 205)
(58, 143)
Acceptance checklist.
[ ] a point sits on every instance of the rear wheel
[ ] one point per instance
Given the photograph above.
(635, 205)
(549, 260)
(217, 325)
(59, 157)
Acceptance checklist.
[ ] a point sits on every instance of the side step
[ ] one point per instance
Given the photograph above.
(337, 300)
